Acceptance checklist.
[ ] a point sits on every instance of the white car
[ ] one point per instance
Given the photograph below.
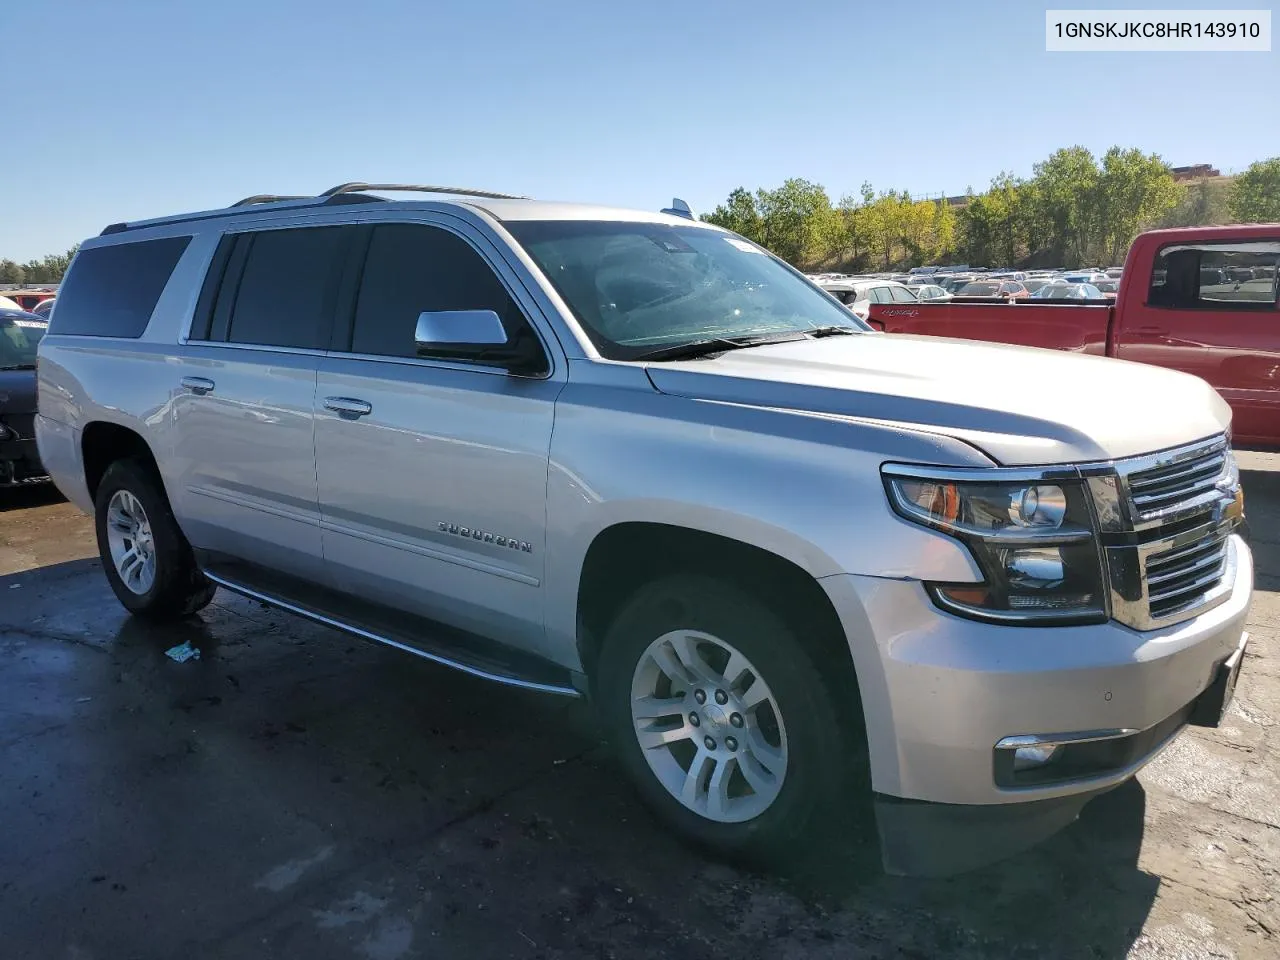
(931, 291)
(858, 295)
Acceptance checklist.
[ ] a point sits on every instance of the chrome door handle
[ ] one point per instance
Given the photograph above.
(198, 385)
(347, 406)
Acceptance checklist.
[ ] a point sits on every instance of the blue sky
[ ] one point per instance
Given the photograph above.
(137, 108)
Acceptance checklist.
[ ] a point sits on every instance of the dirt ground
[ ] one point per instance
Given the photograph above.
(296, 793)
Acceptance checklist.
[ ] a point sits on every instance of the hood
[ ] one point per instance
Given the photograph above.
(1020, 405)
(17, 391)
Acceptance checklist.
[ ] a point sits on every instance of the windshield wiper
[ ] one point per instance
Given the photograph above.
(712, 345)
(833, 330)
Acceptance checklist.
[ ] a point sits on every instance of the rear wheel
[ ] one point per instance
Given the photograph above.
(721, 716)
(148, 561)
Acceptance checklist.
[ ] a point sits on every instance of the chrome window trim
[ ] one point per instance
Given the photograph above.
(258, 348)
(493, 245)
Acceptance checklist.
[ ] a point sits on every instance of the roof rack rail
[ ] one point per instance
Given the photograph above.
(416, 188)
(265, 198)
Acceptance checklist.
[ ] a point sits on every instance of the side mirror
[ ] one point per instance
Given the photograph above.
(459, 330)
(478, 335)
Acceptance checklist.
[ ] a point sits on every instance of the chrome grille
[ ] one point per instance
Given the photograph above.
(1177, 580)
(1166, 525)
(1178, 485)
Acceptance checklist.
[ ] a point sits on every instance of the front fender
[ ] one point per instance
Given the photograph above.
(803, 488)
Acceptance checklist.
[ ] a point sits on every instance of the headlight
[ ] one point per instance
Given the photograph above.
(5, 432)
(1033, 540)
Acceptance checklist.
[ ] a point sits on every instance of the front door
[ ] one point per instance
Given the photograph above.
(1210, 310)
(243, 451)
(432, 468)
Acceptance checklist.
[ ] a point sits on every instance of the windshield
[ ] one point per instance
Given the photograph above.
(1058, 291)
(18, 339)
(638, 286)
(979, 290)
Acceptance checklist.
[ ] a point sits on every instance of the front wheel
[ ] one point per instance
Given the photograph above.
(719, 713)
(148, 561)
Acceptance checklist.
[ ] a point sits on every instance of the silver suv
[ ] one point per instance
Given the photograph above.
(798, 565)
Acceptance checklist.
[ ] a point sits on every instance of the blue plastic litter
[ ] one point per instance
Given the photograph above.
(183, 652)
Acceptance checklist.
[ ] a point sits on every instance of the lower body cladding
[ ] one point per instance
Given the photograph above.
(985, 739)
(20, 464)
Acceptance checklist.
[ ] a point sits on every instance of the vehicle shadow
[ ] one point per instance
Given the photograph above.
(1262, 498)
(26, 497)
(1079, 893)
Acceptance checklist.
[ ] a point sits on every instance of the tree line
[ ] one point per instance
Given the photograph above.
(48, 269)
(1075, 210)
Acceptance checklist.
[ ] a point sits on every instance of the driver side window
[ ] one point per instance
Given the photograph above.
(412, 269)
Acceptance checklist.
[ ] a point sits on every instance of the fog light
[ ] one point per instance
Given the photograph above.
(1025, 758)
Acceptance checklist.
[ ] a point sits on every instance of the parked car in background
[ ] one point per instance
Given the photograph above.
(1108, 288)
(1035, 283)
(955, 281)
(1064, 290)
(931, 291)
(20, 333)
(858, 295)
(1164, 313)
(44, 308)
(1115, 272)
(1085, 276)
(1008, 289)
(29, 297)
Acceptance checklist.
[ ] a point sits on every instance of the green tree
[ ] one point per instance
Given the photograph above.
(11, 272)
(790, 217)
(1065, 185)
(1255, 194)
(1133, 190)
(1200, 203)
(739, 214)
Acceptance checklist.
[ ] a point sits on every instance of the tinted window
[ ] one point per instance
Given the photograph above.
(1224, 276)
(902, 295)
(111, 291)
(18, 339)
(285, 294)
(412, 269)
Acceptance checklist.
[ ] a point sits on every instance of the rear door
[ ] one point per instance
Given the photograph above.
(1210, 309)
(244, 447)
(433, 466)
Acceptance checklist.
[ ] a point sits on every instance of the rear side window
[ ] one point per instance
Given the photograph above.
(902, 295)
(1216, 276)
(282, 293)
(112, 291)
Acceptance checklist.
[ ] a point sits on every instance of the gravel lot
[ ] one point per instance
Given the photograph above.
(296, 793)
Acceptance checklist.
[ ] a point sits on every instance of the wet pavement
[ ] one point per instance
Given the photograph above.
(297, 793)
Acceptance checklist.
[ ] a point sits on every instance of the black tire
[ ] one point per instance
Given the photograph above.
(179, 588)
(819, 802)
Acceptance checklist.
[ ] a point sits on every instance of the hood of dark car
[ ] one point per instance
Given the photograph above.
(17, 391)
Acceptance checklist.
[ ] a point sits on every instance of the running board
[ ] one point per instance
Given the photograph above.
(431, 641)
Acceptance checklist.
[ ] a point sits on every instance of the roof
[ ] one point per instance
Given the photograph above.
(501, 207)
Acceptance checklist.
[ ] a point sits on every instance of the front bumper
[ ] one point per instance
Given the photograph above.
(939, 692)
(20, 464)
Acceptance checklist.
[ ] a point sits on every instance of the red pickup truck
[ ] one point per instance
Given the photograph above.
(1199, 299)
